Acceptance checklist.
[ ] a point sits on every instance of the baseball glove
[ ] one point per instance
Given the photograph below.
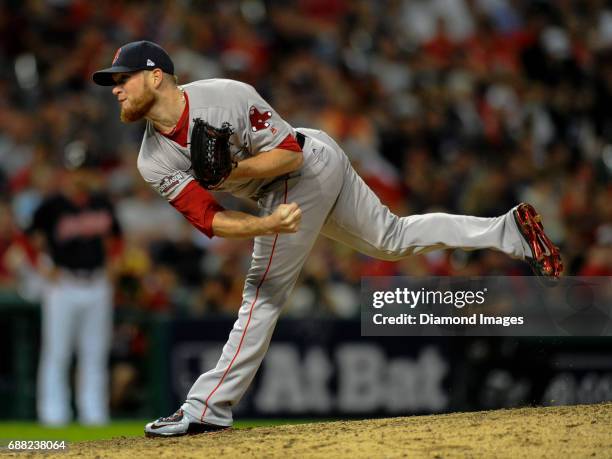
(211, 157)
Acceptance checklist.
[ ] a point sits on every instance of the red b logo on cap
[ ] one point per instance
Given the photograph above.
(116, 56)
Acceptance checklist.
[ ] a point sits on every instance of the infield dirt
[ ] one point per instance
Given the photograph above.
(555, 432)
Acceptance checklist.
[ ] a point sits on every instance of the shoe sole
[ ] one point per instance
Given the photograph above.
(546, 261)
(193, 429)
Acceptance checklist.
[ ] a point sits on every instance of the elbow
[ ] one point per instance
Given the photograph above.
(217, 225)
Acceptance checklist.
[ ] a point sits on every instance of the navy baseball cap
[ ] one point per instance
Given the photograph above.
(137, 55)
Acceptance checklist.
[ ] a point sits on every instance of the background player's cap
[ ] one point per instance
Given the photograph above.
(137, 55)
(77, 155)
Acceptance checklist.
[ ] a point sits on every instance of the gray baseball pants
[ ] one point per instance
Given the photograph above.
(337, 203)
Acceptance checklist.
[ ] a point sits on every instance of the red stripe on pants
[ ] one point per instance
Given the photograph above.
(248, 320)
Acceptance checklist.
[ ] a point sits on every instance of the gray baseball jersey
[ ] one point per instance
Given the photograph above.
(257, 128)
(335, 202)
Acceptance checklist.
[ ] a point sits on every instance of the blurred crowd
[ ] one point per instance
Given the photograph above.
(460, 106)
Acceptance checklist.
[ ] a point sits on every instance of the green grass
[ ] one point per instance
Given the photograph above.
(13, 430)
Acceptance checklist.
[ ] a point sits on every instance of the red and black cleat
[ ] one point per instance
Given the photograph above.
(546, 259)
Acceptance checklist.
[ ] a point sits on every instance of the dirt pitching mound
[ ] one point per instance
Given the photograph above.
(569, 431)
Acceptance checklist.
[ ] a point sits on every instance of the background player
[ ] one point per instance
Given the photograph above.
(277, 164)
(78, 229)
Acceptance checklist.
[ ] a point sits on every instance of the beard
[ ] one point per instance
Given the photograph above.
(138, 107)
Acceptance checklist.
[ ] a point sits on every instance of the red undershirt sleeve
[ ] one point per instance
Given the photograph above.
(198, 206)
(289, 143)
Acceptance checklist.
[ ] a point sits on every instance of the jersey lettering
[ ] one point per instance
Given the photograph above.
(86, 224)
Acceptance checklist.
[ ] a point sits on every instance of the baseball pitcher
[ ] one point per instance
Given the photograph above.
(221, 135)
